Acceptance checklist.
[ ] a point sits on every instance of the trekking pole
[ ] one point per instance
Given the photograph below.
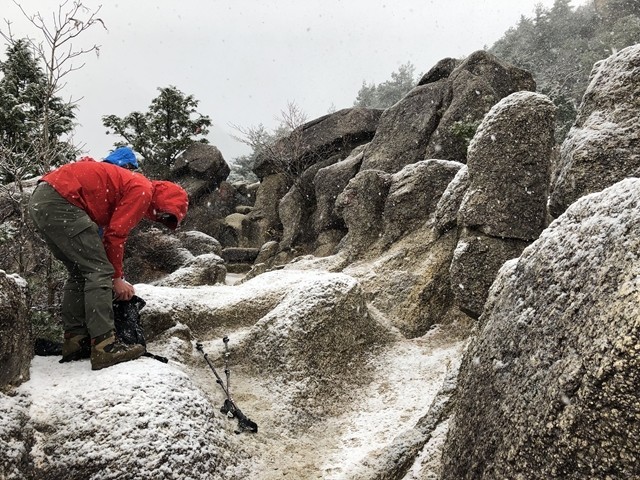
(230, 408)
(226, 364)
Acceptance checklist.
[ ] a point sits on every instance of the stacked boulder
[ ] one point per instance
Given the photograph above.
(447, 227)
(291, 167)
(504, 207)
(435, 120)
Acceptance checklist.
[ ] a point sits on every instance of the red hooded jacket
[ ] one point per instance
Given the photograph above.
(116, 199)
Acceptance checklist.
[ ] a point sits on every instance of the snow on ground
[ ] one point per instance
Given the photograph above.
(163, 420)
(408, 379)
(408, 375)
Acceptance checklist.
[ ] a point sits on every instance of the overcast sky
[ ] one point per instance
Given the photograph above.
(245, 59)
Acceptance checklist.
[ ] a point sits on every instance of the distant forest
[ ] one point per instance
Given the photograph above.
(559, 46)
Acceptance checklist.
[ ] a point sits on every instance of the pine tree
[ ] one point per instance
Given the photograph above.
(171, 124)
(23, 101)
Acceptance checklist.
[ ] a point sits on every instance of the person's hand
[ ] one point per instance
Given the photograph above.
(122, 289)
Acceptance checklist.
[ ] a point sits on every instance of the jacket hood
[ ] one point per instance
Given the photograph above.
(123, 157)
(168, 197)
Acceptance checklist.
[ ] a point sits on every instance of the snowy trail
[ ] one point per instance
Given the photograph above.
(407, 377)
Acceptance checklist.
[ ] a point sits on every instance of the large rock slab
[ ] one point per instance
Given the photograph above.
(334, 134)
(509, 159)
(550, 384)
(317, 339)
(603, 146)
(211, 311)
(16, 347)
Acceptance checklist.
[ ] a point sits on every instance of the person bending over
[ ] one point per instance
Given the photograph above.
(85, 211)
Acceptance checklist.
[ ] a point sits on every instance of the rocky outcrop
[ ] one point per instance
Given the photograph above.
(438, 117)
(293, 163)
(200, 169)
(15, 331)
(601, 147)
(550, 383)
(504, 206)
(334, 134)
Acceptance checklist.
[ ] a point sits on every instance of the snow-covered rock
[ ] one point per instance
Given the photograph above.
(317, 339)
(603, 146)
(141, 419)
(206, 269)
(15, 331)
(550, 385)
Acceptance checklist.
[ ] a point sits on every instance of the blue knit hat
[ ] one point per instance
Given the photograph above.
(123, 157)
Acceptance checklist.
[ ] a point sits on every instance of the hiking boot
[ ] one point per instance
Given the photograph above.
(76, 346)
(107, 351)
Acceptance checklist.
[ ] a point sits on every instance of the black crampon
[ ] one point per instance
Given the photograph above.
(229, 408)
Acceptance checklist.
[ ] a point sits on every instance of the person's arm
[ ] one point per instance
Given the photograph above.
(133, 204)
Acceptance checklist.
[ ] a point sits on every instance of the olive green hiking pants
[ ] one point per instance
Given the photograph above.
(74, 240)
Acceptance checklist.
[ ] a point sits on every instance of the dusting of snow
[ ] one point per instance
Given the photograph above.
(144, 416)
